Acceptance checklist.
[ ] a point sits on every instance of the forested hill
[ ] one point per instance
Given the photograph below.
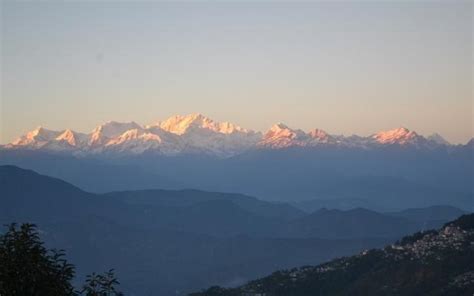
(436, 262)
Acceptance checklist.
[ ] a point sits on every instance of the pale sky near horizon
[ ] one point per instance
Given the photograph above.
(345, 67)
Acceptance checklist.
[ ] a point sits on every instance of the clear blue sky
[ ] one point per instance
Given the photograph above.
(354, 67)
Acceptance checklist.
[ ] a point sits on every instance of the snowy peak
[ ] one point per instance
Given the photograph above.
(72, 138)
(196, 133)
(279, 128)
(42, 138)
(399, 136)
(67, 136)
(103, 133)
(229, 128)
(282, 130)
(37, 137)
(470, 143)
(321, 136)
(131, 135)
(114, 128)
(179, 124)
(136, 141)
(318, 134)
(41, 133)
(182, 124)
(438, 139)
(281, 136)
(193, 133)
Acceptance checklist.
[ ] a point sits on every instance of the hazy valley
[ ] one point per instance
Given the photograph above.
(177, 241)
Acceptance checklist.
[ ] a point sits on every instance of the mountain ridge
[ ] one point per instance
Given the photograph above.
(196, 133)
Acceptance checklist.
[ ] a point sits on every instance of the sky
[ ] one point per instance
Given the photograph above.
(345, 67)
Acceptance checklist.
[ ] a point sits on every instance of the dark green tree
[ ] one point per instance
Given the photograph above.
(28, 268)
(101, 285)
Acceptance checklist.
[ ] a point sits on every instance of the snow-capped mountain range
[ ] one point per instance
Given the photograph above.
(196, 133)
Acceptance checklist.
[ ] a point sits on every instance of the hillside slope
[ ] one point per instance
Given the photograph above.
(426, 263)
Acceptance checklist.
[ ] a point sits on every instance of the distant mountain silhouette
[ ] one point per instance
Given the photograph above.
(28, 195)
(387, 179)
(182, 198)
(351, 223)
(203, 237)
(91, 174)
(425, 216)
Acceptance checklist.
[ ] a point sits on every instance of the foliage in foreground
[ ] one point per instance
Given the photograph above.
(28, 268)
